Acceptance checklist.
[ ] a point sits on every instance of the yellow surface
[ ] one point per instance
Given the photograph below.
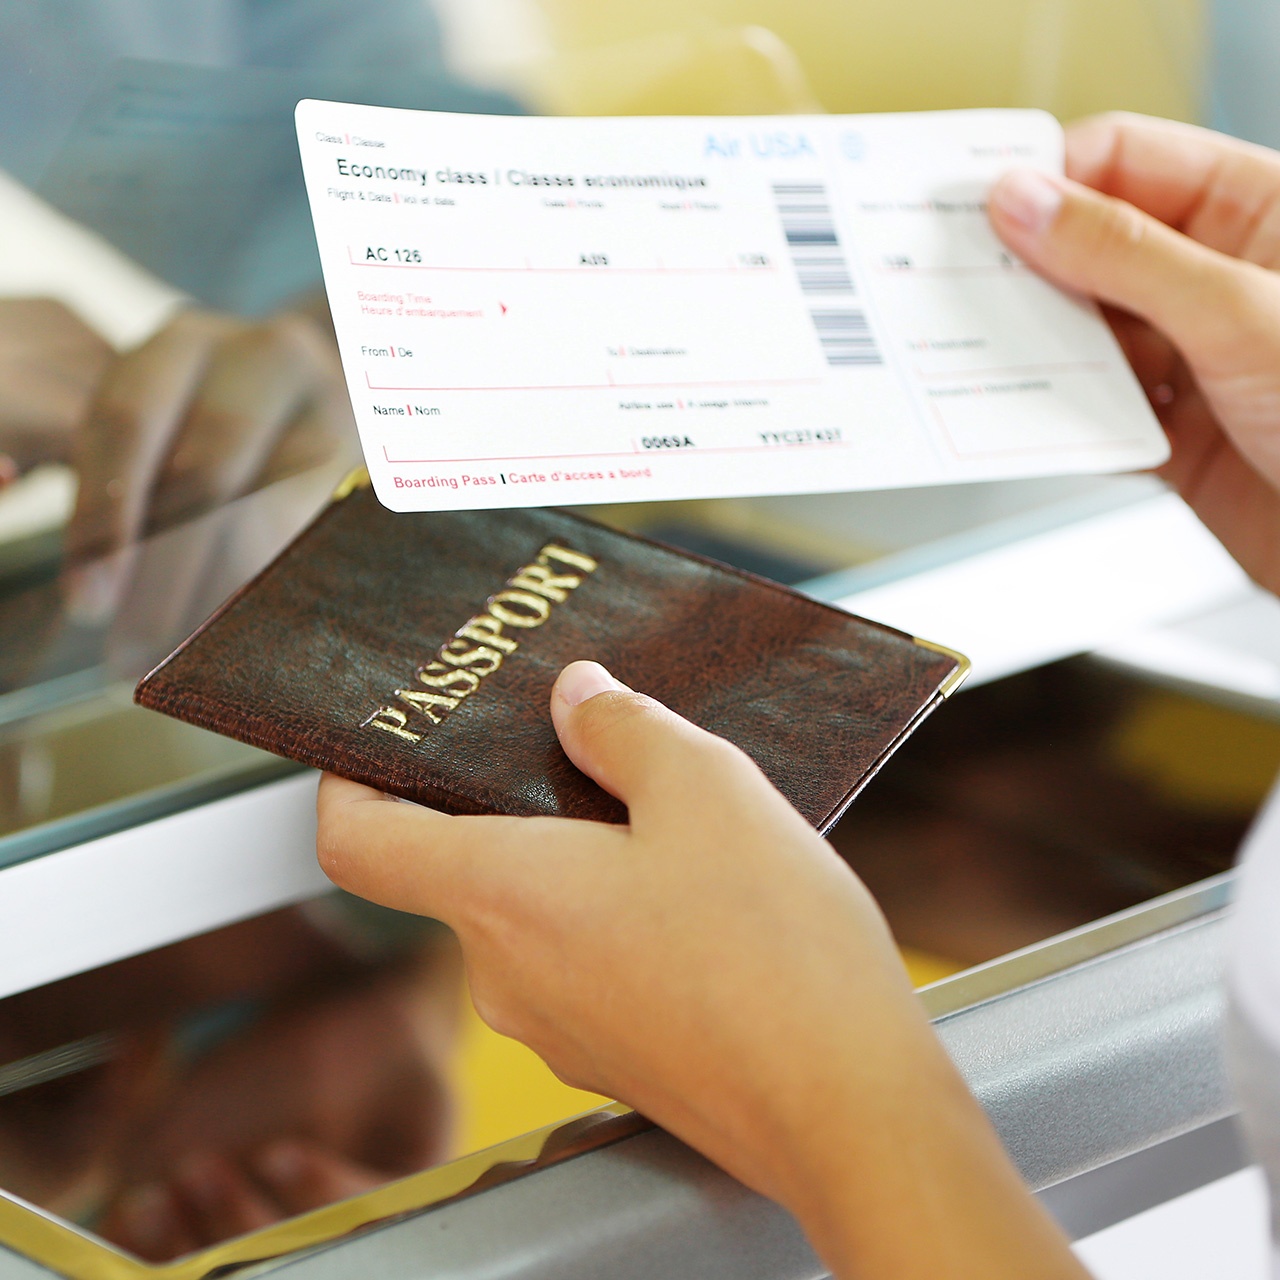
(504, 1090)
(1071, 57)
(704, 71)
(923, 968)
(1213, 759)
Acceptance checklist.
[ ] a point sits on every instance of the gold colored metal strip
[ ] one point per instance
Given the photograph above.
(353, 480)
(961, 672)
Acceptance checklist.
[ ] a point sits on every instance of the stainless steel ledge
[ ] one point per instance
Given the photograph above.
(1102, 1060)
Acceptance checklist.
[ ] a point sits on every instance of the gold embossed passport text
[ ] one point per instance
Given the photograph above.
(416, 652)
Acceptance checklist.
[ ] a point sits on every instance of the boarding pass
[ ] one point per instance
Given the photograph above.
(538, 311)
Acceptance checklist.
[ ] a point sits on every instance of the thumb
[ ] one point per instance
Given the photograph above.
(1110, 250)
(633, 746)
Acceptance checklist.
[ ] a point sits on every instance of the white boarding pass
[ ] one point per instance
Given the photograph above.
(542, 311)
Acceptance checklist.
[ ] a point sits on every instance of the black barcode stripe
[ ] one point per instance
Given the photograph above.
(841, 319)
(811, 235)
(845, 337)
(843, 330)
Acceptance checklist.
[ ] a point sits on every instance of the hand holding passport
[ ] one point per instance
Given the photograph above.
(415, 652)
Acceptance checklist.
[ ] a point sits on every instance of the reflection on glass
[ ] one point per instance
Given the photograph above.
(1047, 800)
(71, 742)
(179, 1098)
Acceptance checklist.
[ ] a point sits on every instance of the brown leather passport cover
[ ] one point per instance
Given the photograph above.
(416, 653)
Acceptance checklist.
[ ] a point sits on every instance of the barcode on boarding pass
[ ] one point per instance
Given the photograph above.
(825, 280)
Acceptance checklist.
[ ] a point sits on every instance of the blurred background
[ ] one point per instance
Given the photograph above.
(1071, 57)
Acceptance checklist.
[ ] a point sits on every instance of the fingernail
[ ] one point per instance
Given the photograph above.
(145, 1213)
(582, 680)
(1028, 197)
(281, 1162)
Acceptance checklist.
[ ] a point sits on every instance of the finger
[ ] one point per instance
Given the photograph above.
(1219, 190)
(447, 868)
(50, 363)
(148, 1221)
(122, 444)
(257, 385)
(302, 1176)
(1110, 250)
(315, 437)
(402, 855)
(1170, 387)
(639, 750)
(1152, 356)
(219, 1200)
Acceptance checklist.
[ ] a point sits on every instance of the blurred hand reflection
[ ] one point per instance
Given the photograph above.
(215, 1197)
(210, 408)
(333, 1081)
(50, 365)
(310, 1106)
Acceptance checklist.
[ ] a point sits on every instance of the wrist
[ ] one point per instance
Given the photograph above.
(905, 1177)
(870, 1101)
(871, 1061)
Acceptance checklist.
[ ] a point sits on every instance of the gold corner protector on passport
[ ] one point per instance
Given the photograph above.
(961, 672)
(353, 480)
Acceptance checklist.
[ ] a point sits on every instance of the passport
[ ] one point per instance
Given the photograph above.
(416, 651)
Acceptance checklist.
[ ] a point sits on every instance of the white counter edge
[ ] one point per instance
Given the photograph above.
(157, 883)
